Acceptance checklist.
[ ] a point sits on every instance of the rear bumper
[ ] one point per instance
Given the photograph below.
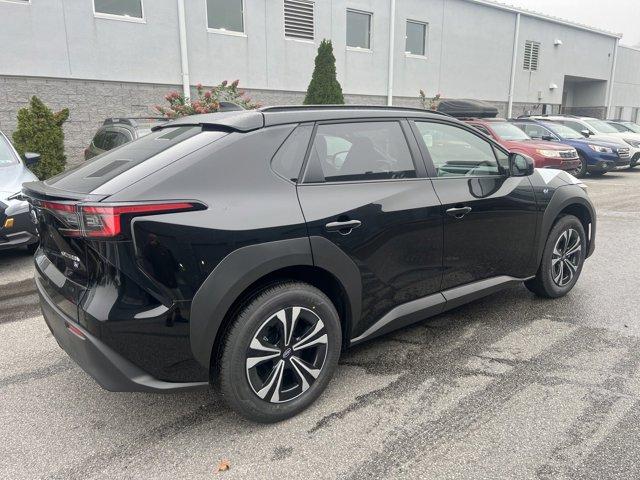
(23, 231)
(112, 371)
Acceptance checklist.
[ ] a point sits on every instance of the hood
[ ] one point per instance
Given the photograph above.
(538, 144)
(12, 177)
(610, 138)
(634, 137)
(549, 174)
(595, 141)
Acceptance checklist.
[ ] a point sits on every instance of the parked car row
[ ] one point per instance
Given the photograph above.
(579, 145)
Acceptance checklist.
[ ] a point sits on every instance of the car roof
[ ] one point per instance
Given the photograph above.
(248, 120)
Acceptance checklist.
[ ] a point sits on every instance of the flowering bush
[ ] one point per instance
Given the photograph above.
(429, 103)
(208, 101)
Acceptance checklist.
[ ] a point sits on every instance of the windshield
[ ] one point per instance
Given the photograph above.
(7, 157)
(600, 127)
(507, 131)
(634, 127)
(563, 131)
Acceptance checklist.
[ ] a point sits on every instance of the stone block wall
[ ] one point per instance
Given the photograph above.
(90, 102)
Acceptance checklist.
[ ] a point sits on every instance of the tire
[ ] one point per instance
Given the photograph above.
(282, 385)
(581, 171)
(552, 280)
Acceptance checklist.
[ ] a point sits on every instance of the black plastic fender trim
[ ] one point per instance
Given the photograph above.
(237, 271)
(562, 198)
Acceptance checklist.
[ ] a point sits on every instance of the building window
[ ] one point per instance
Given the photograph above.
(359, 29)
(131, 9)
(299, 19)
(226, 15)
(531, 55)
(416, 38)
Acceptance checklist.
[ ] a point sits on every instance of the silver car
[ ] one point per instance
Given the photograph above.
(16, 227)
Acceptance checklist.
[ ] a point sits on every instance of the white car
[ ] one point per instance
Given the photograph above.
(594, 128)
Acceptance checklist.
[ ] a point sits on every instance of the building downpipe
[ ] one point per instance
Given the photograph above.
(184, 55)
(612, 78)
(392, 34)
(514, 61)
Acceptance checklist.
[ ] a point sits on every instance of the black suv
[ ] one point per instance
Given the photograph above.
(248, 249)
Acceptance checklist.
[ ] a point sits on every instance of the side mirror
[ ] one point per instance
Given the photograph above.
(586, 133)
(31, 158)
(548, 138)
(521, 165)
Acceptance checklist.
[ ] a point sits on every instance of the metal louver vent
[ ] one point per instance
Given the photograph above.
(298, 19)
(531, 55)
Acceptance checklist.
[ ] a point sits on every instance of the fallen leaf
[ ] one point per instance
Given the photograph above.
(223, 466)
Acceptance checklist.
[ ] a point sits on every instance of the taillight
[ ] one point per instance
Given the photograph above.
(106, 221)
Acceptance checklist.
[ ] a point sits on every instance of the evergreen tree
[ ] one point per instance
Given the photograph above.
(324, 87)
(40, 130)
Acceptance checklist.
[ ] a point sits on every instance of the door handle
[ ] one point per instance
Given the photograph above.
(344, 228)
(458, 212)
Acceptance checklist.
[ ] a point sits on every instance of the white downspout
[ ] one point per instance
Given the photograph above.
(392, 34)
(184, 55)
(608, 113)
(514, 61)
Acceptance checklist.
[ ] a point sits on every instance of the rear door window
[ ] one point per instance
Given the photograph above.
(535, 131)
(362, 151)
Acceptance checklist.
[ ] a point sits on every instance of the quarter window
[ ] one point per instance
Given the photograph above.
(458, 152)
(225, 15)
(287, 162)
(362, 151)
(121, 8)
(416, 38)
(358, 29)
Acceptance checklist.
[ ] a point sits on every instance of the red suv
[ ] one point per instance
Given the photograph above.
(545, 154)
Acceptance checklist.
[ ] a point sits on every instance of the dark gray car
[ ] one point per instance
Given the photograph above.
(16, 227)
(118, 131)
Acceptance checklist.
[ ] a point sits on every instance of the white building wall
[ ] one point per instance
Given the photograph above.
(626, 85)
(98, 67)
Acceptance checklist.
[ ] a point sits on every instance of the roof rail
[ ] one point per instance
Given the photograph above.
(286, 108)
(130, 120)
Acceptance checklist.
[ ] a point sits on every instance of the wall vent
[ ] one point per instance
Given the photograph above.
(531, 55)
(299, 19)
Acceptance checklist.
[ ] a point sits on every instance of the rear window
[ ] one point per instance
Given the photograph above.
(98, 171)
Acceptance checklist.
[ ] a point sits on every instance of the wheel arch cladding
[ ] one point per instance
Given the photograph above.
(247, 270)
(569, 200)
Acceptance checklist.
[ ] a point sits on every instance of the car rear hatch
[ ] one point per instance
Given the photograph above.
(68, 209)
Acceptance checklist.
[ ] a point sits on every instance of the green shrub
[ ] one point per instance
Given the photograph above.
(40, 130)
(324, 88)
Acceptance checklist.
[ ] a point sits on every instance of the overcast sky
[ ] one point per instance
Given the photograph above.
(620, 16)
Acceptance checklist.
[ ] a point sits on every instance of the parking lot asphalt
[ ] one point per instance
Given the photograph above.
(510, 386)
